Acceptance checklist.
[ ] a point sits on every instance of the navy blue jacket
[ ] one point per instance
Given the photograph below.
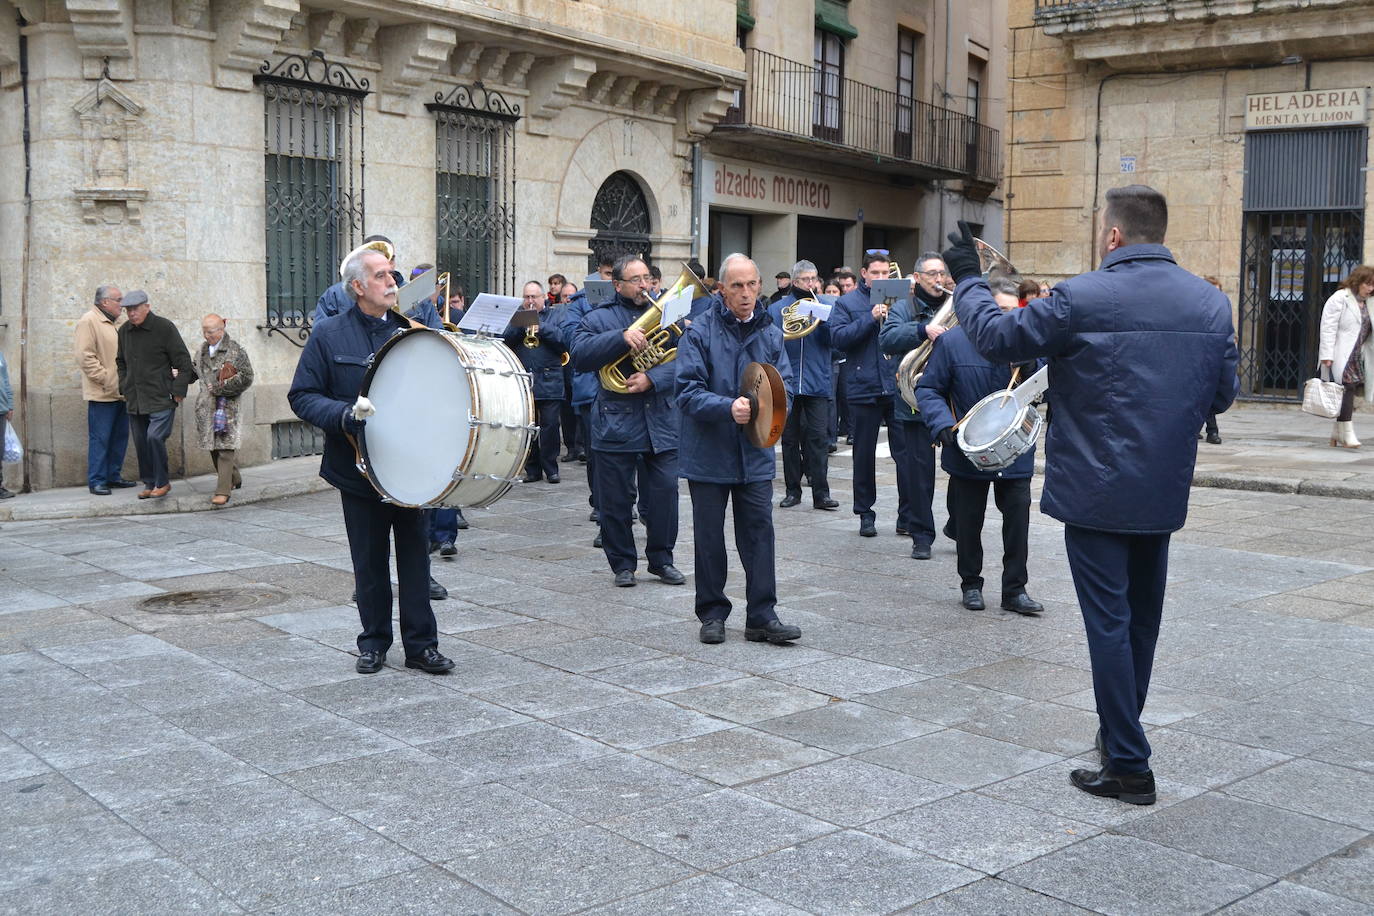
(645, 422)
(1140, 351)
(336, 301)
(903, 331)
(868, 374)
(585, 385)
(328, 379)
(544, 363)
(958, 375)
(809, 355)
(711, 358)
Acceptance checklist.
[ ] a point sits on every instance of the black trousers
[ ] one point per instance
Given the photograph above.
(1120, 581)
(149, 432)
(615, 474)
(584, 425)
(804, 445)
(572, 426)
(915, 459)
(370, 524)
(543, 457)
(753, 509)
(968, 503)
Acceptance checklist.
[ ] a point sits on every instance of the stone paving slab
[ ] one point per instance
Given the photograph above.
(588, 754)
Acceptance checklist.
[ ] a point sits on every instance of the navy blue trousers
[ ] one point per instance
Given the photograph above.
(370, 524)
(803, 446)
(753, 509)
(615, 474)
(150, 432)
(543, 457)
(107, 439)
(909, 444)
(1120, 582)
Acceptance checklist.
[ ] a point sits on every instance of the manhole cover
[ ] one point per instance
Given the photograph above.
(214, 600)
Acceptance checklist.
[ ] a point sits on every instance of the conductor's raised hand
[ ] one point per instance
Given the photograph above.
(961, 258)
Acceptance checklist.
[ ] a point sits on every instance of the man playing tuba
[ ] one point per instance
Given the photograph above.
(636, 428)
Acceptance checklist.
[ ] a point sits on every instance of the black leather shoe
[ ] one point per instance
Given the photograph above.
(1214, 438)
(825, 502)
(531, 478)
(668, 575)
(566, 458)
(712, 632)
(789, 501)
(920, 551)
(99, 490)
(554, 478)
(462, 522)
(948, 530)
(593, 516)
(431, 662)
(120, 483)
(625, 578)
(973, 599)
(832, 448)
(775, 632)
(1021, 604)
(369, 662)
(867, 529)
(596, 541)
(436, 591)
(902, 532)
(1132, 788)
(446, 549)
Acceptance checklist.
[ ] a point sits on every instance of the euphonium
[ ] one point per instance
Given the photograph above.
(914, 363)
(796, 326)
(662, 346)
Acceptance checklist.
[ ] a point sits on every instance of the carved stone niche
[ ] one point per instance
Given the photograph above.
(108, 116)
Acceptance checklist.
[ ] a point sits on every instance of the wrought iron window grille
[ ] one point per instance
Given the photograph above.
(314, 170)
(621, 218)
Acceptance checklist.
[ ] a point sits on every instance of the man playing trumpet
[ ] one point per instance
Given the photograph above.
(541, 348)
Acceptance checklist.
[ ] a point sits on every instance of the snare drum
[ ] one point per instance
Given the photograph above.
(455, 419)
(997, 431)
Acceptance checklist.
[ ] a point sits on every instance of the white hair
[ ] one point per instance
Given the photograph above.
(733, 256)
(354, 269)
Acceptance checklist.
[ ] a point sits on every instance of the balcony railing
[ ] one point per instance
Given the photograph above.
(790, 98)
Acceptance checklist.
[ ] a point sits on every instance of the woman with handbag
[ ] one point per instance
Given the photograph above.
(225, 373)
(1346, 349)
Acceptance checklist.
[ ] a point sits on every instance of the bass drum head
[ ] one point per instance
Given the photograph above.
(419, 437)
(989, 420)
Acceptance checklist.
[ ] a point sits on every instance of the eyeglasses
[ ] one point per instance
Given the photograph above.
(935, 273)
(642, 280)
(882, 252)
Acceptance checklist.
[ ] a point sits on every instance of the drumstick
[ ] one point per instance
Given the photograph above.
(1015, 374)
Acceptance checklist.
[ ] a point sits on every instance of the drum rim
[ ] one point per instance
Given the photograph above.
(1022, 415)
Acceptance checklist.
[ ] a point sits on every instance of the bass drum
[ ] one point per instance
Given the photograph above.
(455, 419)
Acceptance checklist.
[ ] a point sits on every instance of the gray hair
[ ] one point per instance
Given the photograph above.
(353, 270)
(803, 267)
(733, 256)
(100, 292)
(929, 256)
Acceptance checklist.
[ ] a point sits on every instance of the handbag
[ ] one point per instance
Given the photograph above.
(1322, 397)
(14, 450)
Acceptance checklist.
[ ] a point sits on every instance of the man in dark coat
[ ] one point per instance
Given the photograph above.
(869, 379)
(543, 360)
(804, 436)
(955, 379)
(1140, 351)
(155, 371)
(721, 465)
(328, 379)
(634, 431)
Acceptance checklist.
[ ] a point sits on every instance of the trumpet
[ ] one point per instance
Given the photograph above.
(443, 280)
(532, 336)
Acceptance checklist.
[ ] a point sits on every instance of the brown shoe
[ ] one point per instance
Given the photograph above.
(217, 500)
(159, 492)
(144, 494)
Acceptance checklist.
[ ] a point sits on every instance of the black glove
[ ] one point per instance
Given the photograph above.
(962, 257)
(351, 424)
(945, 437)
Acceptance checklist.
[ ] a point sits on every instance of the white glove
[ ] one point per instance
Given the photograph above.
(362, 409)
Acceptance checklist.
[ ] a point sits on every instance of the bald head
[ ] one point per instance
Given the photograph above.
(212, 328)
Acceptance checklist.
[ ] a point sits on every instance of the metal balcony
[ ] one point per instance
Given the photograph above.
(796, 109)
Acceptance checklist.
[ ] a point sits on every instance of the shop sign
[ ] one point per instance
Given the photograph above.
(1307, 108)
(780, 190)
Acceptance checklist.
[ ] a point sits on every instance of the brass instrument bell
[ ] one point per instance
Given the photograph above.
(794, 326)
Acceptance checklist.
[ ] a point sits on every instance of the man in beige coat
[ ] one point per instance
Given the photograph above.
(107, 421)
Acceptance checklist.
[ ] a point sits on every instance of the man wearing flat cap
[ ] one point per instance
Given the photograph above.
(154, 372)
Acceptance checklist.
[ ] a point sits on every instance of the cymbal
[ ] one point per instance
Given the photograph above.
(762, 384)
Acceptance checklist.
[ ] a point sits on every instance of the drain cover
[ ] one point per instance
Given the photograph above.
(214, 600)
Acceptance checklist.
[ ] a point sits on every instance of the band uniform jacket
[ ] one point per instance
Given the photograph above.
(812, 366)
(1140, 351)
(97, 346)
(711, 358)
(148, 353)
(868, 373)
(903, 331)
(328, 379)
(544, 363)
(229, 352)
(955, 378)
(645, 422)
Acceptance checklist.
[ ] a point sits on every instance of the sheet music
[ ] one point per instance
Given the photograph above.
(417, 290)
(680, 306)
(818, 310)
(489, 314)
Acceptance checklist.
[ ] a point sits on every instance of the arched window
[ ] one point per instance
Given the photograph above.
(620, 216)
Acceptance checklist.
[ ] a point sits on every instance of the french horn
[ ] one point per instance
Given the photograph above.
(794, 326)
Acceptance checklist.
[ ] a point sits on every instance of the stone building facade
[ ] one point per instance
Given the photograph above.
(224, 154)
(1251, 117)
(862, 125)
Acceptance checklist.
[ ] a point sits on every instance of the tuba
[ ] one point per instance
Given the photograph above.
(662, 346)
(995, 265)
